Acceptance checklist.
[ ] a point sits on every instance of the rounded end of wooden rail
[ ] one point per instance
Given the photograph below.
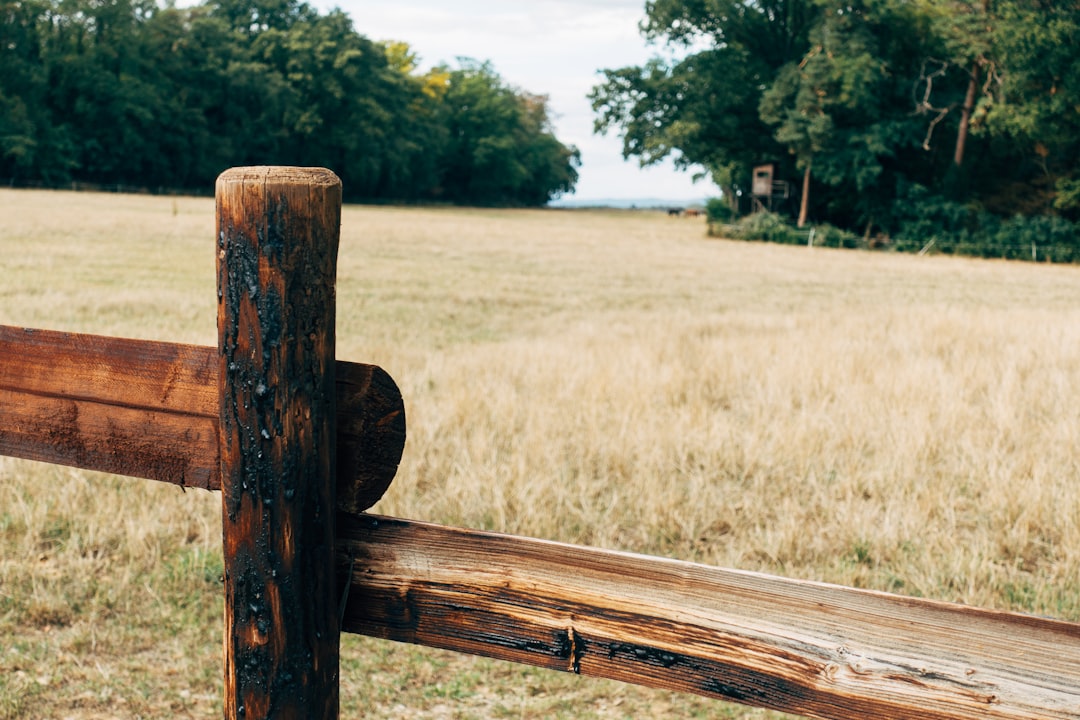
(371, 435)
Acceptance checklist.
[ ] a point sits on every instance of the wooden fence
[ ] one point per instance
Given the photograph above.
(300, 444)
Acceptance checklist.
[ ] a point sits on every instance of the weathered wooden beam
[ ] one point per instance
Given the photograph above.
(150, 409)
(809, 648)
(278, 231)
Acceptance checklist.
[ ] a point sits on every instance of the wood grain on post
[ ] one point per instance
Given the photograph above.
(278, 232)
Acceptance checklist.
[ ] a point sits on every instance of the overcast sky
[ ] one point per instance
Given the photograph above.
(547, 47)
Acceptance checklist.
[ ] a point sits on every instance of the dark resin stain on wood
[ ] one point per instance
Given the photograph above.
(277, 253)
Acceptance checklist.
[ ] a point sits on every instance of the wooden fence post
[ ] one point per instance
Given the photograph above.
(278, 231)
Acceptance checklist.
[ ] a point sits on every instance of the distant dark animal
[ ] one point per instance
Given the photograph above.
(674, 212)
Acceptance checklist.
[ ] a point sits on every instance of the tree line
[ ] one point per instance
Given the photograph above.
(912, 120)
(131, 92)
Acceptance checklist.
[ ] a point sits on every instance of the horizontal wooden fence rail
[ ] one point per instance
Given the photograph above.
(150, 410)
(809, 648)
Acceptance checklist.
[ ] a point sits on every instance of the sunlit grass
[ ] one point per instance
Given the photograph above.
(611, 378)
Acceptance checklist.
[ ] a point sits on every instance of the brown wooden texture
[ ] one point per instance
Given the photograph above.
(120, 406)
(150, 409)
(277, 255)
(809, 648)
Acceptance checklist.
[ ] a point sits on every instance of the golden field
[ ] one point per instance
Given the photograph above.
(608, 378)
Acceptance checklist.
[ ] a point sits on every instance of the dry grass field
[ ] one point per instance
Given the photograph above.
(616, 379)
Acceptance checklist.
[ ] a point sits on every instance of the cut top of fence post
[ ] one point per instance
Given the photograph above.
(277, 242)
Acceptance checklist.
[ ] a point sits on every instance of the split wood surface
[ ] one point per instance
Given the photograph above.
(809, 648)
(150, 410)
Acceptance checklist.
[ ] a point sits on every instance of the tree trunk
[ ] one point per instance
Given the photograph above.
(965, 116)
(805, 202)
(969, 105)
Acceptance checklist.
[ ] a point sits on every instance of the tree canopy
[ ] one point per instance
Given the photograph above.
(871, 106)
(132, 92)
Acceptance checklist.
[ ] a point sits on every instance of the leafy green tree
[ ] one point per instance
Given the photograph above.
(132, 92)
(702, 110)
(30, 145)
(862, 99)
(254, 17)
(1034, 125)
(500, 149)
(844, 110)
(820, 86)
